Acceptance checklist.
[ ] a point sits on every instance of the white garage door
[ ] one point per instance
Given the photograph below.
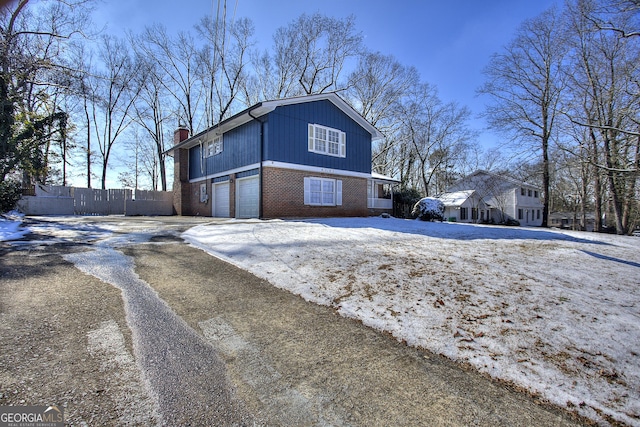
(221, 200)
(247, 197)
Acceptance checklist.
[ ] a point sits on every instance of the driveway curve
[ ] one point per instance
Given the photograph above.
(210, 344)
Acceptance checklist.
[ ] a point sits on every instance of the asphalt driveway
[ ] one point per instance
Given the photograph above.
(120, 322)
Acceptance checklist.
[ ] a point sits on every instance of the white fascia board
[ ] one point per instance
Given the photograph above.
(283, 165)
(380, 177)
(315, 169)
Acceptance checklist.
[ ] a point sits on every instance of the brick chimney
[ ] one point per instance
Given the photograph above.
(180, 134)
(181, 188)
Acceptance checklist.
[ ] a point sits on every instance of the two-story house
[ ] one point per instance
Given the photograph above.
(487, 197)
(307, 156)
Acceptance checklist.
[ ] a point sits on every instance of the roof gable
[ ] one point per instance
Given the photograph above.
(259, 110)
(456, 198)
(485, 178)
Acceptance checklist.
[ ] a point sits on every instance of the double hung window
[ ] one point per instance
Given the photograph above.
(322, 191)
(328, 141)
(214, 147)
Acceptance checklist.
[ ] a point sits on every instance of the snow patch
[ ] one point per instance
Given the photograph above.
(136, 405)
(555, 312)
(10, 224)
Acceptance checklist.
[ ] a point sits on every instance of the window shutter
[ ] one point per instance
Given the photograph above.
(307, 191)
(311, 139)
(343, 144)
(338, 192)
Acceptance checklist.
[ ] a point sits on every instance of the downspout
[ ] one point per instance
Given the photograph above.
(260, 176)
(201, 156)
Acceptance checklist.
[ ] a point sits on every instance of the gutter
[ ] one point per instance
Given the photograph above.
(221, 124)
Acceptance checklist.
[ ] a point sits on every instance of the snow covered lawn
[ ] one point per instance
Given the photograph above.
(10, 226)
(557, 313)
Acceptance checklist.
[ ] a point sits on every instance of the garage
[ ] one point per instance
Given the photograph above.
(247, 197)
(221, 200)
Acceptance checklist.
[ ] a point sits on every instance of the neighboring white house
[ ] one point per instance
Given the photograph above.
(501, 198)
(464, 206)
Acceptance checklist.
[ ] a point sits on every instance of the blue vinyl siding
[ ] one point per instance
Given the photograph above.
(286, 140)
(287, 137)
(241, 147)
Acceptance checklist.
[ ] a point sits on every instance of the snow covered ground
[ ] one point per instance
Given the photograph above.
(10, 226)
(557, 313)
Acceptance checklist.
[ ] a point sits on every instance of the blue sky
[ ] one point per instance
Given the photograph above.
(449, 42)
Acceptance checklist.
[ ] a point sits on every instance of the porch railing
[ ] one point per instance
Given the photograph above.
(379, 203)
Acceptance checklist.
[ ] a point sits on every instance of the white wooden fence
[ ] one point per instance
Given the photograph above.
(58, 200)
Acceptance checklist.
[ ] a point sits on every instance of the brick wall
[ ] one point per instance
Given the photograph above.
(181, 191)
(283, 195)
(180, 166)
(191, 204)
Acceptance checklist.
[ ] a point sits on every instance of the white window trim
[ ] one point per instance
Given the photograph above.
(342, 141)
(337, 191)
(215, 146)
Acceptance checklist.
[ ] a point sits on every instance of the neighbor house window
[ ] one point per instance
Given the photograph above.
(322, 191)
(214, 147)
(474, 214)
(520, 216)
(523, 192)
(463, 213)
(328, 141)
(538, 213)
(529, 193)
(535, 194)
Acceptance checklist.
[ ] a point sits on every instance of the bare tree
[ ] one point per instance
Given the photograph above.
(273, 78)
(435, 131)
(608, 13)
(177, 59)
(32, 41)
(119, 86)
(225, 56)
(141, 162)
(571, 183)
(525, 83)
(88, 90)
(313, 51)
(378, 85)
(150, 113)
(604, 77)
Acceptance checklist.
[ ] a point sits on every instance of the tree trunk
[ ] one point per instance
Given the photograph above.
(597, 185)
(86, 112)
(161, 164)
(545, 180)
(612, 184)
